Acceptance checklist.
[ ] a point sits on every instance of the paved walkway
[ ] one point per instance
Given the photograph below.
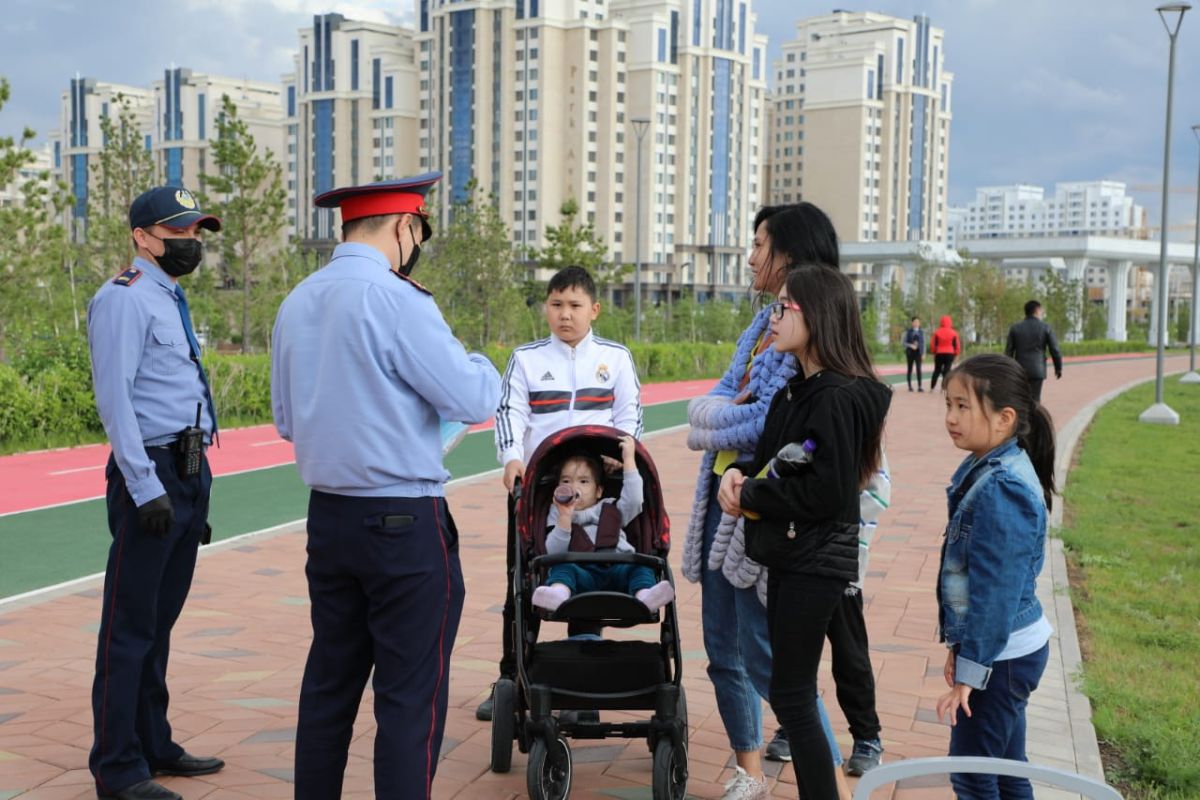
(239, 648)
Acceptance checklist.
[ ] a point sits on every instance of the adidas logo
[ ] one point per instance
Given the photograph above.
(549, 376)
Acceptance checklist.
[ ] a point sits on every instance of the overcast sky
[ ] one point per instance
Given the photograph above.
(1045, 90)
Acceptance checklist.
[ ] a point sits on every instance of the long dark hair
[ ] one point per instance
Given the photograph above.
(835, 336)
(1000, 382)
(800, 233)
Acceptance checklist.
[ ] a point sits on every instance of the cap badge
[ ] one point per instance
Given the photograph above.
(185, 199)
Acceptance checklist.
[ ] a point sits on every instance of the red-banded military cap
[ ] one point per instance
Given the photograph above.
(400, 196)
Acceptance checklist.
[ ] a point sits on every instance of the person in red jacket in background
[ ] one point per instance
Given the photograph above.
(945, 345)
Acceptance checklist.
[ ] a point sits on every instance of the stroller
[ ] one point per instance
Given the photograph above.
(586, 672)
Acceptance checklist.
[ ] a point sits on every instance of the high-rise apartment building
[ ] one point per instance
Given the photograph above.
(38, 170)
(1096, 208)
(176, 118)
(536, 101)
(860, 125)
(79, 138)
(187, 107)
(351, 114)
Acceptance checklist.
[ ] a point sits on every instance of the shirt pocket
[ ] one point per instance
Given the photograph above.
(169, 351)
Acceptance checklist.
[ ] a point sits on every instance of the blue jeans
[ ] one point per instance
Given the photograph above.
(631, 578)
(738, 648)
(996, 727)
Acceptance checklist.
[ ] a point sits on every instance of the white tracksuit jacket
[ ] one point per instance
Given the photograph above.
(549, 386)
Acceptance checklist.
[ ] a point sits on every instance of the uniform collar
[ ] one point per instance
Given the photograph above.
(360, 250)
(583, 345)
(156, 272)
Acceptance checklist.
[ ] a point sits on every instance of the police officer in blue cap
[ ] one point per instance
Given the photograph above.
(154, 400)
(363, 367)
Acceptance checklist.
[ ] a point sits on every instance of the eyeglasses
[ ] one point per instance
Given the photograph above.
(778, 308)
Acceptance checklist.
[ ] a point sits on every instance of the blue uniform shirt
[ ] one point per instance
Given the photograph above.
(146, 383)
(362, 368)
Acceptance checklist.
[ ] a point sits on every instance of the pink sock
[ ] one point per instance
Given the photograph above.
(657, 595)
(551, 597)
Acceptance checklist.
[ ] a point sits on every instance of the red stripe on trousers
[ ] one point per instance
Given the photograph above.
(441, 662)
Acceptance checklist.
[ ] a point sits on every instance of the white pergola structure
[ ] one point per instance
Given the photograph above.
(1074, 254)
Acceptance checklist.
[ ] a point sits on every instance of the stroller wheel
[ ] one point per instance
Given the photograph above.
(549, 772)
(670, 770)
(504, 723)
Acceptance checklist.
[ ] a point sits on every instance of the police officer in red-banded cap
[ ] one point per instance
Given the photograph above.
(363, 368)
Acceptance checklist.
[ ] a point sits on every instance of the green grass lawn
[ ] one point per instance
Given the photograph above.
(1132, 526)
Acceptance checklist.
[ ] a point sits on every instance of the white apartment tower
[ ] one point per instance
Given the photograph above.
(79, 138)
(351, 114)
(1097, 208)
(535, 100)
(861, 125)
(176, 119)
(187, 106)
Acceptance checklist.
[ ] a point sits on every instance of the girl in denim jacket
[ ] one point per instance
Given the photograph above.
(989, 614)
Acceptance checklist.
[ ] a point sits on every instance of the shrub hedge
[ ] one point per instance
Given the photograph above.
(46, 394)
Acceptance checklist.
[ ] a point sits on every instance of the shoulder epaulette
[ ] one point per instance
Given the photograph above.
(418, 286)
(128, 277)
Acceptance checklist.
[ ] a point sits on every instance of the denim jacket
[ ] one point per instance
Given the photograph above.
(991, 556)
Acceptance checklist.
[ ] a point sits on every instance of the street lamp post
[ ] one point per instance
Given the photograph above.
(1160, 413)
(1192, 376)
(639, 129)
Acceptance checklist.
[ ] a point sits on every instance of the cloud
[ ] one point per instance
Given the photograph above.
(1065, 91)
(365, 10)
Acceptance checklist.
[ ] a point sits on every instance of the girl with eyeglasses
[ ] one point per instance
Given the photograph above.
(802, 523)
(726, 424)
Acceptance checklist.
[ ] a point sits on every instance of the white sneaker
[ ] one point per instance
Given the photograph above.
(744, 787)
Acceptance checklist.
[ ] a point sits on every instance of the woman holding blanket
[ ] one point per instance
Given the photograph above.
(726, 425)
(803, 508)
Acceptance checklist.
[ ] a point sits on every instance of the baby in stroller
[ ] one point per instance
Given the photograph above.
(584, 521)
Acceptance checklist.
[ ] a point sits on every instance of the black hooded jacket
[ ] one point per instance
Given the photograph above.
(809, 519)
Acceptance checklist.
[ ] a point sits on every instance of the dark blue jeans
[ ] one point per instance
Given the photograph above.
(996, 728)
(631, 578)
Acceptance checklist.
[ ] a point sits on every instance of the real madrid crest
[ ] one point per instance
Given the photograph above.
(602, 373)
(185, 199)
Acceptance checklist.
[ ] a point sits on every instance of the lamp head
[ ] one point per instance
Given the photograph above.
(1171, 15)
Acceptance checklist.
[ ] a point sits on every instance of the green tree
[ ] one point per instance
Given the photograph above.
(1063, 302)
(247, 194)
(36, 299)
(123, 169)
(573, 242)
(471, 270)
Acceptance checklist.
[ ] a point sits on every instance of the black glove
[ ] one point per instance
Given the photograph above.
(156, 517)
(206, 537)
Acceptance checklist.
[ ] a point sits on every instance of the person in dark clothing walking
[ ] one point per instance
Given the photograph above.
(914, 351)
(945, 346)
(1028, 341)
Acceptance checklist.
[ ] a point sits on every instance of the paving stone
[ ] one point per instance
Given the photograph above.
(249, 719)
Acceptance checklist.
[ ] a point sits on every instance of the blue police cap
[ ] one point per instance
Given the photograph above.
(400, 196)
(169, 206)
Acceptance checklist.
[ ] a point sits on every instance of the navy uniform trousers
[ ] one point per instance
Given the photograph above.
(387, 593)
(145, 583)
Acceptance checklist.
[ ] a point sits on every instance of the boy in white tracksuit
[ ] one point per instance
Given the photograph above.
(571, 377)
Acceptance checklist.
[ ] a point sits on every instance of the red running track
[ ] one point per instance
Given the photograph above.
(67, 475)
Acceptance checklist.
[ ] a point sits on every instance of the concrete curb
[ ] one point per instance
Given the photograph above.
(1079, 708)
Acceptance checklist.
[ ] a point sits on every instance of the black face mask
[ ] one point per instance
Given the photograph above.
(180, 256)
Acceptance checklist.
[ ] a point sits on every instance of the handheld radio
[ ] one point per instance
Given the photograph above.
(191, 447)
